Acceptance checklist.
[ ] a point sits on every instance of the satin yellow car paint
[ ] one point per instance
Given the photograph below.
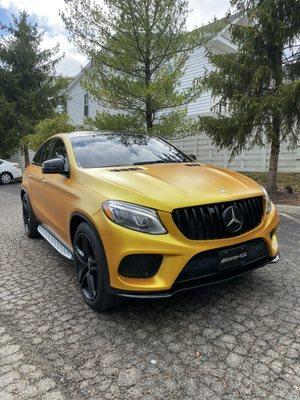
(163, 187)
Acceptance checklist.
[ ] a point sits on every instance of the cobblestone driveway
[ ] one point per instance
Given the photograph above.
(232, 341)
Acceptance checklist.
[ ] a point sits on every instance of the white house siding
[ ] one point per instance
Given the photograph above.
(196, 67)
(75, 105)
(256, 159)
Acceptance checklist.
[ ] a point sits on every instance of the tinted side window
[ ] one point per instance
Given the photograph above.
(46, 151)
(59, 151)
(37, 156)
(43, 153)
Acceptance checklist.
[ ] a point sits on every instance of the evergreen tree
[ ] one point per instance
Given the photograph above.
(29, 89)
(259, 84)
(46, 128)
(138, 51)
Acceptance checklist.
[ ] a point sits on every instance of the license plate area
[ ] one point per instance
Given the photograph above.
(232, 258)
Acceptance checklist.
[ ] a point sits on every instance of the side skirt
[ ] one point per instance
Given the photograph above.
(55, 241)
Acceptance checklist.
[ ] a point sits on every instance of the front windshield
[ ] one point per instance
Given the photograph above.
(121, 149)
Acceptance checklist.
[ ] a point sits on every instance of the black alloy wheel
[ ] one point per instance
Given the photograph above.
(91, 268)
(26, 215)
(87, 269)
(29, 219)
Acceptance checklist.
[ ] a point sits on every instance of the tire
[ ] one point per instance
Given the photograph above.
(91, 268)
(6, 178)
(29, 219)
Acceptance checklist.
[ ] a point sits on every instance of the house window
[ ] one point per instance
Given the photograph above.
(86, 105)
(219, 106)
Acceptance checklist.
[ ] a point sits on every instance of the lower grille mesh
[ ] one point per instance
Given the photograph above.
(206, 263)
(140, 265)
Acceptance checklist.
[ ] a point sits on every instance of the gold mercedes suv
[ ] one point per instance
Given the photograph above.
(141, 219)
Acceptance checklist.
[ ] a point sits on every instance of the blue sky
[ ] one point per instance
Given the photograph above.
(46, 14)
(4, 15)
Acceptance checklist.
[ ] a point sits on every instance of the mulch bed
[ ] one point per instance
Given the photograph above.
(284, 198)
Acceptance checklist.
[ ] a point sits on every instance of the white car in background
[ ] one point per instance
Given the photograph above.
(9, 171)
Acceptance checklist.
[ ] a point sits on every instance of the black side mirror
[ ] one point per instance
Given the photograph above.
(192, 156)
(55, 166)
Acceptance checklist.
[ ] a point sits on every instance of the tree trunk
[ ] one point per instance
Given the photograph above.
(149, 113)
(273, 165)
(277, 120)
(26, 155)
(149, 119)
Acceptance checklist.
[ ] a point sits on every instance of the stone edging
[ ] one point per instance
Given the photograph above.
(288, 209)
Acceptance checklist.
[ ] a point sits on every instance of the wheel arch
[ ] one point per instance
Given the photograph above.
(9, 173)
(22, 192)
(76, 219)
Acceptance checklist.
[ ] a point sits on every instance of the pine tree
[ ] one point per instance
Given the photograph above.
(259, 84)
(138, 51)
(29, 89)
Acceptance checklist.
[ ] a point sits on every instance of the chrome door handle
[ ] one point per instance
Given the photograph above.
(43, 180)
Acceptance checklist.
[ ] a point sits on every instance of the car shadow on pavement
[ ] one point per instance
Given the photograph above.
(204, 302)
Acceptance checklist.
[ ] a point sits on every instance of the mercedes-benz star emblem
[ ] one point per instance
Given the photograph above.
(233, 219)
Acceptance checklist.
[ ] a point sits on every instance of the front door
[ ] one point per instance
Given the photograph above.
(57, 194)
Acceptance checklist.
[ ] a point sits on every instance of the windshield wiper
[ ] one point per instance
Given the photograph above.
(155, 162)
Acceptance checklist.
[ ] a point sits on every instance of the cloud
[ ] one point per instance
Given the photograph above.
(46, 11)
(46, 14)
(203, 11)
(73, 61)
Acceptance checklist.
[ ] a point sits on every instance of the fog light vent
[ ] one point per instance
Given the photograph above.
(140, 265)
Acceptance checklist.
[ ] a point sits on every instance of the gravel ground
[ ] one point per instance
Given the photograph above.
(236, 340)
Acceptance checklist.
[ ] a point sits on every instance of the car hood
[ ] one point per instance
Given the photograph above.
(168, 186)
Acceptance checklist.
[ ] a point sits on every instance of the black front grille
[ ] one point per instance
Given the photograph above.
(206, 222)
(207, 263)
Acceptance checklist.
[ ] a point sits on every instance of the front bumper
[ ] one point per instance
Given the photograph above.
(196, 283)
(176, 250)
(17, 175)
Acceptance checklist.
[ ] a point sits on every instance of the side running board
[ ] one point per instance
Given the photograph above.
(55, 242)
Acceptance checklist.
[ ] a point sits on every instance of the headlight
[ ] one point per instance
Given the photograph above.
(268, 201)
(134, 217)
